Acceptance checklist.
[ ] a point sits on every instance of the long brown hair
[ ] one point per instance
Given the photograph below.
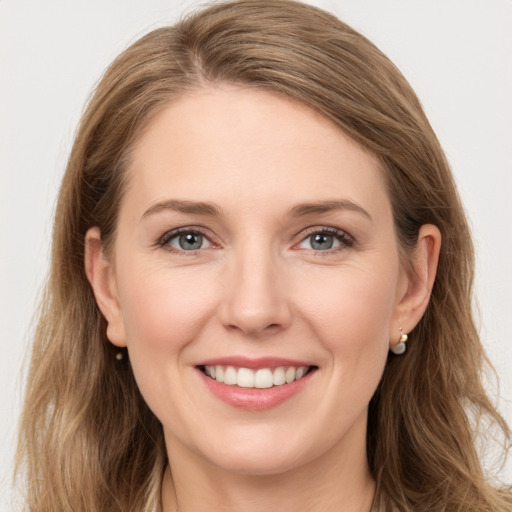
(88, 441)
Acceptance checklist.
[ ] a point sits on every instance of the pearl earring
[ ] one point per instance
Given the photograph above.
(400, 347)
(119, 356)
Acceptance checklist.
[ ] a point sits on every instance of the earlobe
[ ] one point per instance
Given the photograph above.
(420, 279)
(100, 275)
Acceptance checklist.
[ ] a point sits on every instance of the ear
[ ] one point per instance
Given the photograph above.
(101, 276)
(419, 280)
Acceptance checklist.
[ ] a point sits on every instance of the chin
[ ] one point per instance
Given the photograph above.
(262, 451)
(258, 463)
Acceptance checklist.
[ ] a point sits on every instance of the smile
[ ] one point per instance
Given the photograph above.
(261, 378)
(255, 384)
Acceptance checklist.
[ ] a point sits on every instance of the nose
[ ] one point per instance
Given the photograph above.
(255, 300)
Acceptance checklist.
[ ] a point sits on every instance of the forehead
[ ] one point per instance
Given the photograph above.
(238, 146)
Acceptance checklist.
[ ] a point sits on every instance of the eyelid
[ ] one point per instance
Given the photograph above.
(163, 241)
(343, 236)
(346, 240)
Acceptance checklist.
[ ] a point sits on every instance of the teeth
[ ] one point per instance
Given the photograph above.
(261, 379)
(230, 376)
(289, 375)
(279, 376)
(245, 378)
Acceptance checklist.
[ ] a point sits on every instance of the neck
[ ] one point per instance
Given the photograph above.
(338, 481)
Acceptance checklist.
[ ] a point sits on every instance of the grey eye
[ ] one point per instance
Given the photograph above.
(189, 241)
(322, 241)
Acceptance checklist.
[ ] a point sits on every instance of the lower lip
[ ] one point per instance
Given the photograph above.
(254, 399)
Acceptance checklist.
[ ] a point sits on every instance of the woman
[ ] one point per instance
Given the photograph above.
(261, 285)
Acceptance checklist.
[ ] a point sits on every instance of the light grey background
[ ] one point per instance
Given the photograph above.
(457, 54)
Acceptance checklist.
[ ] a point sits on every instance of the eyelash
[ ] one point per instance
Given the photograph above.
(165, 239)
(346, 240)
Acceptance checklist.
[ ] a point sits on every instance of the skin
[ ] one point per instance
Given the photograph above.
(257, 288)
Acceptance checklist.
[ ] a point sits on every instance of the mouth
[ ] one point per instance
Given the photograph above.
(256, 378)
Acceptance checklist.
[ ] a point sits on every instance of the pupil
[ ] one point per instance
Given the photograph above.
(321, 241)
(191, 241)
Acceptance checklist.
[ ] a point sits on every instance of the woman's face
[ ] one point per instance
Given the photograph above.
(256, 242)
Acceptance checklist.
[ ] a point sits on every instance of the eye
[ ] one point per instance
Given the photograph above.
(322, 241)
(185, 241)
(326, 240)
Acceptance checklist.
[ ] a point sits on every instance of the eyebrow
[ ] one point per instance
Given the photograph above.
(190, 207)
(212, 210)
(303, 209)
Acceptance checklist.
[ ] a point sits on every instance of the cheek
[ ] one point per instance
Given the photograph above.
(351, 303)
(163, 308)
(350, 312)
(164, 311)
(351, 317)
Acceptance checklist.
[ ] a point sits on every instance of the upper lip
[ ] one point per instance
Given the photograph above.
(253, 363)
